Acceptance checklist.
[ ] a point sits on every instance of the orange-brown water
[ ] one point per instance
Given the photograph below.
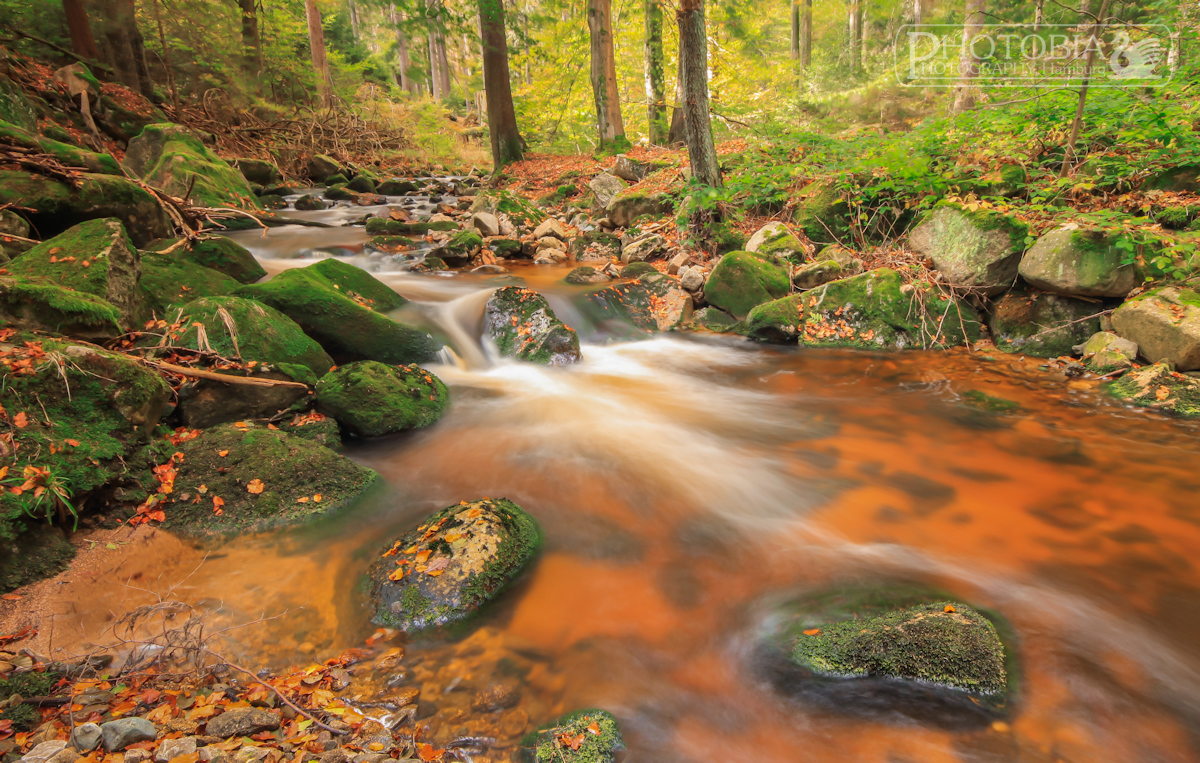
(685, 484)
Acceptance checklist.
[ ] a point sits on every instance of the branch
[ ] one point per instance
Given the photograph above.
(247, 381)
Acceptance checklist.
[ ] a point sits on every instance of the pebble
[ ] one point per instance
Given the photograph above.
(86, 737)
(242, 721)
(173, 748)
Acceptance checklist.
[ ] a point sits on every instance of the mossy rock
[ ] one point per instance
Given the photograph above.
(775, 240)
(461, 247)
(978, 249)
(15, 106)
(457, 560)
(300, 480)
(380, 225)
(40, 552)
(168, 280)
(823, 215)
(310, 202)
(87, 409)
(396, 187)
(628, 205)
(832, 263)
(716, 320)
(96, 257)
(58, 206)
(371, 399)
(358, 284)
(26, 717)
(584, 736)
(38, 306)
(1161, 388)
(346, 327)
(340, 192)
(1165, 324)
(175, 161)
(1042, 324)
(272, 201)
(596, 246)
(238, 328)
(1181, 178)
(507, 248)
(361, 184)
(337, 178)
(258, 171)
(320, 167)
(518, 210)
(64, 153)
(622, 309)
(521, 324)
(586, 276)
(638, 269)
(220, 253)
(1079, 262)
(742, 280)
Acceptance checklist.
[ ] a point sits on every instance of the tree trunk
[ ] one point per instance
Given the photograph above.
(1077, 124)
(403, 60)
(439, 67)
(693, 57)
(964, 95)
(82, 41)
(1039, 14)
(123, 44)
(855, 30)
(251, 43)
(316, 44)
(502, 117)
(353, 20)
(656, 106)
(916, 10)
(794, 50)
(677, 133)
(806, 30)
(604, 74)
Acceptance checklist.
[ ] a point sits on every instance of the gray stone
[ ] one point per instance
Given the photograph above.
(44, 751)
(831, 264)
(1080, 262)
(775, 238)
(605, 186)
(625, 208)
(173, 748)
(643, 248)
(86, 737)
(65, 755)
(550, 227)
(691, 279)
(137, 756)
(971, 249)
(242, 721)
(678, 262)
(12, 224)
(550, 242)
(1106, 341)
(486, 223)
(123, 732)
(629, 169)
(1165, 324)
(1040, 323)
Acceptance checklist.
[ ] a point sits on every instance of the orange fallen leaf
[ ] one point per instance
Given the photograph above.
(20, 421)
(72, 443)
(255, 486)
(12, 597)
(302, 499)
(594, 728)
(1162, 393)
(949, 608)
(317, 498)
(222, 453)
(812, 631)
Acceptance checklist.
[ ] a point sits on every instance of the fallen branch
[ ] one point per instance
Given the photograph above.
(247, 381)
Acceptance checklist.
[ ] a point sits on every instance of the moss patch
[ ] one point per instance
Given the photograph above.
(823, 215)
(43, 307)
(175, 161)
(58, 206)
(380, 226)
(743, 280)
(168, 281)
(523, 326)
(519, 210)
(584, 736)
(371, 398)
(1159, 387)
(217, 252)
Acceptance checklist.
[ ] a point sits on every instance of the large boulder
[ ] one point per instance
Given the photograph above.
(622, 307)
(978, 249)
(605, 188)
(168, 280)
(64, 153)
(460, 248)
(342, 319)
(823, 215)
(743, 280)
(1183, 178)
(263, 478)
(585, 736)
(57, 206)
(320, 167)
(1078, 262)
(775, 239)
(96, 257)
(521, 324)
(507, 205)
(644, 248)
(832, 263)
(1161, 388)
(175, 161)
(456, 561)
(370, 398)
(217, 252)
(257, 171)
(39, 306)
(596, 246)
(1165, 323)
(628, 206)
(1040, 323)
(1105, 352)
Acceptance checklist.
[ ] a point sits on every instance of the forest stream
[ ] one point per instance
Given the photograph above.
(687, 483)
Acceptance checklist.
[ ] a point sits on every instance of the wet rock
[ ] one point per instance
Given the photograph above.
(497, 696)
(644, 248)
(1040, 323)
(583, 276)
(486, 223)
(320, 167)
(719, 321)
(123, 732)
(377, 225)
(523, 326)
(44, 751)
(506, 248)
(832, 263)
(257, 171)
(86, 737)
(775, 239)
(456, 561)
(38, 306)
(1165, 324)
(971, 249)
(550, 242)
(623, 309)
(605, 187)
(460, 248)
(242, 721)
(1159, 387)
(310, 202)
(362, 184)
(742, 280)
(58, 206)
(12, 224)
(585, 736)
(175, 161)
(1182, 178)
(1106, 341)
(371, 399)
(217, 252)
(170, 749)
(822, 214)
(638, 269)
(506, 205)
(1080, 262)
(626, 207)
(139, 756)
(396, 187)
(596, 245)
(550, 227)
(203, 403)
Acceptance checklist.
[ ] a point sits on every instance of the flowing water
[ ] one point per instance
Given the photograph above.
(688, 483)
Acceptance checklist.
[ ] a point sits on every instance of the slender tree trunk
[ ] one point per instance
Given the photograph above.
(604, 74)
(1077, 124)
(916, 10)
(443, 59)
(677, 133)
(353, 20)
(251, 43)
(78, 25)
(1039, 14)
(316, 44)
(166, 57)
(656, 106)
(693, 56)
(806, 33)
(439, 73)
(854, 36)
(403, 60)
(964, 95)
(794, 50)
(502, 117)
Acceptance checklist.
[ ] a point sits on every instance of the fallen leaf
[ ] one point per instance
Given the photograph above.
(12, 597)
(317, 497)
(255, 486)
(20, 421)
(1162, 393)
(222, 453)
(949, 608)
(812, 631)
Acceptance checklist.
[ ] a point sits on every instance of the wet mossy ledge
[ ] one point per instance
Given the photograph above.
(370, 398)
(584, 736)
(452, 564)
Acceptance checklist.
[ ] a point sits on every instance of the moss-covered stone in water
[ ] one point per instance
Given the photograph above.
(173, 160)
(41, 551)
(361, 184)
(461, 247)
(301, 480)
(1042, 324)
(506, 247)
(456, 561)
(742, 280)
(345, 327)
(523, 326)
(59, 206)
(982, 401)
(978, 249)
(715, 320)
(1159, 387)
(370, 398)
(585, 736)
(621, 308)
(779, 321)
(220, 253)
(358, 284)
(942, 643)
(585, 276)
(169, 280)
(234, 327)
(823, 215)
(396, 187)
(257, 171)
(378, 225)
(519, 210)
(40, 306)
(95, 258)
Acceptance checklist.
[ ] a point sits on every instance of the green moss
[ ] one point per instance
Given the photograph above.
(523, 326)
(64, 153)
(823, 215)
(517, 208)
(24, 717)
(340, 192)
(742, 280)
(37, 553)
(169, 281)
(505, 247)
(336, 178)
(1144, 387)
(370, 398)
(461, 246)
(175, 161)
(59, 206)
(627, 305)
(596, 245)
(29, 684)
(378, 225)
(358, 284)
(636, 269)
(217, 252)
(1042, 324)
(44, 307)
(361, 184)
(779, 321)
(989, 403)
(598, 746)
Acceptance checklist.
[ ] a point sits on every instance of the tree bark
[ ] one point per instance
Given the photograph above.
(916, 9)
(353, 20)
(604, 74)
(677, 133)
(794, 50)
(806, 31)
(123, 44)
(1039, 14)
(964, 95)
(855, 29)
(502, 117)
(78, 25)
(693, 56)
(656, 106)
(316, 44)
(251, 43)
(403, 60)
(439, 66)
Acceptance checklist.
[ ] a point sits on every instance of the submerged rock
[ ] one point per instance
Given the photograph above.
(584, 736)
(971, 249)
(1041, 323)
(58, 206)
(175, 161)
(1080, 262)
(1165, 324)
(743, 280)
(310, 202)
(523, 326)
(456, 561)
(621, 307)
(217, 252)
(370, 398)
(1159, 387)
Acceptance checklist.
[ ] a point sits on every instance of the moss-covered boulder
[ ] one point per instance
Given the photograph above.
(1159, 387)
(343, 323)
(1180, 178)
(220, 253)
(361, 184)
(978, 249)
(519, 211)
(263, 478)
(396, 187)
(64, 153)
(78, 412)
(257, 171)
(1079, 262)
(521, 324)
(457, 560)
(596, 246)
(175, 161)
(320, 167)
(370, 398)
(832, 263)
(774, 239)
(96, 257)
(584, 736)
(1040, 323)
(39, 306)
(311, 202)
(358, 284)
(627, 206)
(586, 276)
(168, 280)
(622, 309)
(58, 206)
(823, 215)
(460, 248)
(742, 280)
(780, 321)
(380, 225)
(1165, 324)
